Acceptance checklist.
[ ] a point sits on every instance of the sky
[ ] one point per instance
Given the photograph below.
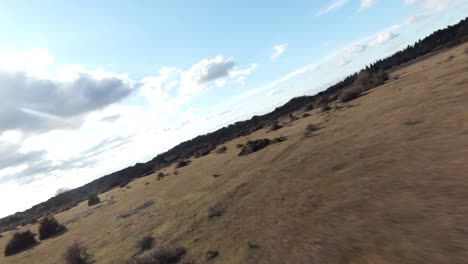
(91, 87)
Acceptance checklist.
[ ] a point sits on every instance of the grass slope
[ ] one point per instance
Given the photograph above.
(384, 180)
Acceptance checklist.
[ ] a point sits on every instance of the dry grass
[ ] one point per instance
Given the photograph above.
(366, 189)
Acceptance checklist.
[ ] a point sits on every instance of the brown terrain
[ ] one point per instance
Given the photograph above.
(383, 180)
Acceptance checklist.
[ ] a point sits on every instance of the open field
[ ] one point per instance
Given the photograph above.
(384, 180)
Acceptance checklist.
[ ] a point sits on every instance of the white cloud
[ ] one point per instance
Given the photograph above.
(437, 5)
(218, 70)
(365, 4)
(382, 38)
(193, 81)
(279, 50)
(33, 61)
(156, 89)
(331, 7)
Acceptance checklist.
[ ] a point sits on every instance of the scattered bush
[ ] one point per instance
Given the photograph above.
(411, 122)
(320, 101)
(216, 175)
(309, 107)
(211, 254)
(349, 94)
(77, 253)
(145, 243)
(182, 163)
(305, 115)
(93, 199)
(221, 150)
(310, 128)
(49, 227)
(274, 126)
(292, 118)
(256, 145)
(325, 108)
(239, 145)
(252, 244)
(366, 81)
(19, 242)
(176, 173)
(160, 176)
(165, 255)
(215, 212)
(333, 97)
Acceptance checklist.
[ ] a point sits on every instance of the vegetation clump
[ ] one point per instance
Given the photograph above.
(221, 150)
(211, 254)
(182, 163)
(325, 108)
(166, 255)
(93, 200)
(309, 107)
(274, 126)
(214, 212)
(77, 253)
(49, 227)
(160, 176)
(256, 145)
(145, 243)
(310, 128)
(19, 242)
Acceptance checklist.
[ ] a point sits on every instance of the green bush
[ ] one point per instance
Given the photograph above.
(49, 227)
(93, 199)
(19, 242)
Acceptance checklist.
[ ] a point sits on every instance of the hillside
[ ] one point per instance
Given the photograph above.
(382, 180)
(204, 144)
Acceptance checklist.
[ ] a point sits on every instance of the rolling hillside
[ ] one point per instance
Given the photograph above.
(382, 180)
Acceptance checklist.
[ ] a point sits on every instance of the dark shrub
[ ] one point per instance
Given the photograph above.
(160, 176)
(93, 199)
(19, 242)
(320, 101)
(182, 163)
(378, 79)
(304, 115)
(216, 175)
(274, 126)
(325, 108)
(253, 146)
(211, 254)
(309, 107)
(239, 145)
(215, 212)
(349, 94)
(333, 97)
(164, 255)
(145, 243)
(76, 253)
(49, 227)
(310, 128)
(292, 118)
(221, 150)
(256, 145)
(176, 173)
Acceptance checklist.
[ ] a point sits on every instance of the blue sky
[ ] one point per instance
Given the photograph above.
(90, 87)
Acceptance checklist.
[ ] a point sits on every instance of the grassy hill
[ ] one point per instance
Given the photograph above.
(383, 179)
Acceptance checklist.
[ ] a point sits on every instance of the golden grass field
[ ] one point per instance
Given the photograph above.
(384, 180)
